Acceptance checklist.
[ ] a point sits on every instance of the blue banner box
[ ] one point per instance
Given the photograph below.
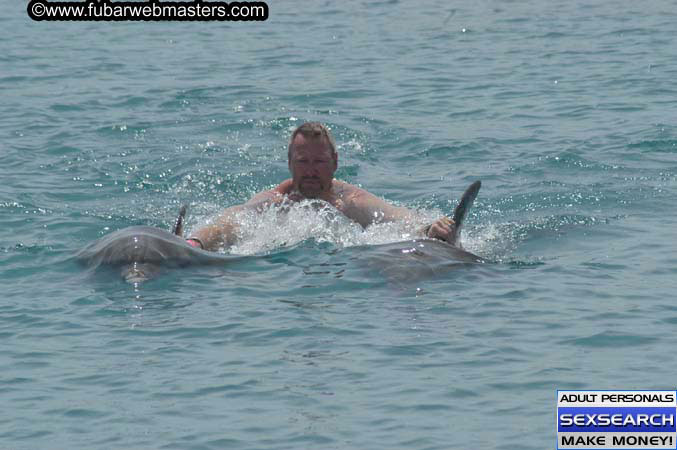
(581, 419)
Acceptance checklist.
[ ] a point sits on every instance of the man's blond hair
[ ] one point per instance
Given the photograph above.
(315, 131)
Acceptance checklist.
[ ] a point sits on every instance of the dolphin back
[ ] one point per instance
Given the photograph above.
(145, 245)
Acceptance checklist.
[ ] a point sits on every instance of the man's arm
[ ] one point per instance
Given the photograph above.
(223, 231)
(366, 208)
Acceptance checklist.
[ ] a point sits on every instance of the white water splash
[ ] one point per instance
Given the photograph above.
(291, 223)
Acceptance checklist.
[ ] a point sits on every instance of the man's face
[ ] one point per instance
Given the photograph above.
(312, 166)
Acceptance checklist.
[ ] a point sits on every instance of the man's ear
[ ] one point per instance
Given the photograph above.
(335, 158)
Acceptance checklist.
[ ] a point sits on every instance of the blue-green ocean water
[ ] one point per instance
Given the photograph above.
(566, 112)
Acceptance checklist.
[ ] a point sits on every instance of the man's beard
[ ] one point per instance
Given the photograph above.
(311, 187)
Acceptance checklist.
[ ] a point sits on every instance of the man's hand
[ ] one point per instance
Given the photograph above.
(443, 229)
(195, 242)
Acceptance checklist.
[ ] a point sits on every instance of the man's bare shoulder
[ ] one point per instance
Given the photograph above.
(284, 188)
(348, 191)
(273, 195)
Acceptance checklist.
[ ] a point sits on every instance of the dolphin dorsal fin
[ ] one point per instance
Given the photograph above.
(178, 225)
(464, 206)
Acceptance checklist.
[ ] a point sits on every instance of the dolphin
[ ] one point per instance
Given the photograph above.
(426, 248)
(141, 252)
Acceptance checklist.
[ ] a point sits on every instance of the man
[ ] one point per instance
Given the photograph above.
(312, 162)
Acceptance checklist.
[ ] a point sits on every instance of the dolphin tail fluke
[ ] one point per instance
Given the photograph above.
(464, 206)
(178, 225)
